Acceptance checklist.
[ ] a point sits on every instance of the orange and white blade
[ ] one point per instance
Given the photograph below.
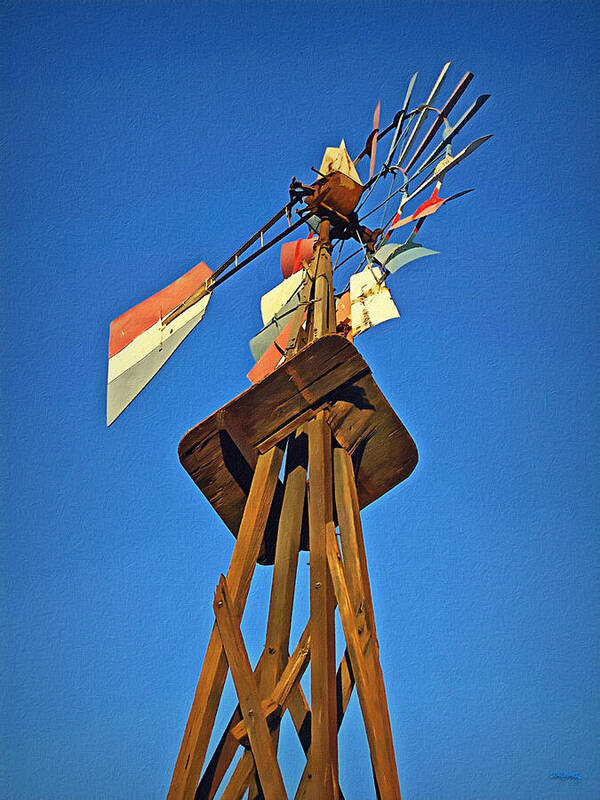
(140, 343)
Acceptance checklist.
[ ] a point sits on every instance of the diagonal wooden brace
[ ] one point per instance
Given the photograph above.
(275, 705)
(246, 687)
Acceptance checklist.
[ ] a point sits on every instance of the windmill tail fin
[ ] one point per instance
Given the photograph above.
(140, 341)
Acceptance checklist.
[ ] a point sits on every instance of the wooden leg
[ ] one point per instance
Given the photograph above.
(284, 573)
(275, 654)
(246, 687)
(286, 563)
(200, 722)
(377, 733)
(344, 687)
(220, 760)
(356, 572)
(322, 607)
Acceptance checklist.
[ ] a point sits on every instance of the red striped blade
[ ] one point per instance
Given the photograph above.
(140, 343)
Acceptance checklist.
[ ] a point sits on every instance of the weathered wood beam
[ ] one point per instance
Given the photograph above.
(200, 722)
(356, 571)
(322, 607)
(377, 734)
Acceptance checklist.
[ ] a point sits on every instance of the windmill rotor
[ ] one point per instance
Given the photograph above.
(143, 338)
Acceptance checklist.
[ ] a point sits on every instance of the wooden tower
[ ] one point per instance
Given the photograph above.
(343, 447)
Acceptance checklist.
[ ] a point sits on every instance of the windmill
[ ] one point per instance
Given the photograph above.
(298, 454)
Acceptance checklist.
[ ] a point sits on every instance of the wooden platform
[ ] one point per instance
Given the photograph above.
(220, 453)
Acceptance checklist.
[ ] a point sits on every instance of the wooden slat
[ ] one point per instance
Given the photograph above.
(300, 714)
(238, 783)
(283, 585)
(214, 669)
(244, 770)
(322, 606)
(354, 558)
(377, 734)
(246, 687)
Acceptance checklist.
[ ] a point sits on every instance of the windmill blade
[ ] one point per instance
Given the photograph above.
(140, 342)
(444, 111)
(450, 132)
(399, 121)
(276, 298)
(294, 254)
(373, 138)
(370, 300)
(380, 135)
(260, 343)
(430, 206)
(459, 194)
(426, 209)
(272, 355)
(453, 162)
(423, 115)
(394, 256)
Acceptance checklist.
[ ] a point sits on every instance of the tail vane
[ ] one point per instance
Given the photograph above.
(140, 342)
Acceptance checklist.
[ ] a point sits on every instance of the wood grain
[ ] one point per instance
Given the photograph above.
(322, 608)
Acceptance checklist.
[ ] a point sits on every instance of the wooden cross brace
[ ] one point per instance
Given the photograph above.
(318, 479)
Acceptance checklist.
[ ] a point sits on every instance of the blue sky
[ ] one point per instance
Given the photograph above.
(139, 138)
